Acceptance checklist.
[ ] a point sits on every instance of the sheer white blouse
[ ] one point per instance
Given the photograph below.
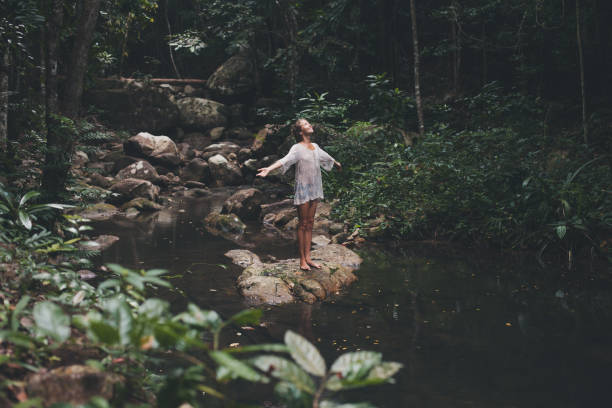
(308, 163)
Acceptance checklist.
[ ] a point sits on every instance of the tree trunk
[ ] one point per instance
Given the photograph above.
(4, 92)
(59, 136)
(456, 41)
(79, 57)
(176, 71)
(585, 129)
(291, 27)
(417, 79)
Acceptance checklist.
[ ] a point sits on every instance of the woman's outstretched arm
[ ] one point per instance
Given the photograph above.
(284, 163)
(263, 172)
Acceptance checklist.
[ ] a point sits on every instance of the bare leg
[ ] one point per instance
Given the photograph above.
(312, 209)
(302, 210)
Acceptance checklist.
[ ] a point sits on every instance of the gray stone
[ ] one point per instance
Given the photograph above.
(197, 140)
(262, 282)
(233, 78)
(196, 170)
(141, 170)
(158, 149)
(224, 172)
(201, 114)
(75, 384)
(242, 257)
(141, 204)
(128, 189)
(246, 204)
(224, 224)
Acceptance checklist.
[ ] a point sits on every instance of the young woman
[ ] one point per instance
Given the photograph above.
(308, 158)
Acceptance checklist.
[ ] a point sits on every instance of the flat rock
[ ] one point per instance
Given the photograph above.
(270, 283)
(75, 384)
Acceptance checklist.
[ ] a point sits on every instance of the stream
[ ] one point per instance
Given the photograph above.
(472, 329)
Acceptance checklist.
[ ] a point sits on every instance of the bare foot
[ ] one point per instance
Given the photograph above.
(304, 266)
(313, 264)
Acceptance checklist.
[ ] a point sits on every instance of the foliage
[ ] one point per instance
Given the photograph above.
(175, 356)
(487, 183)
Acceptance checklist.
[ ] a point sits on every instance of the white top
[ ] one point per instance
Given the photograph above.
(308, 185)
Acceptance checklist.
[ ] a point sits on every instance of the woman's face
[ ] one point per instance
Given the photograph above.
(306, 129)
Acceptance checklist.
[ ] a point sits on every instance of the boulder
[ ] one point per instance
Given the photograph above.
(136, 105)
(158, 149)
(224, 224)
(141, 204)
(105, 168)
(75, 384)
(269, 140)
(224, 172)
(234, 78)
(197, 140)
(246, 204)
(283, 281)
(141, 170)
(223, 148)
(201, 114)
(185, 151)
(99, 180)
(130, 188)
(239, 133)
(196, 170)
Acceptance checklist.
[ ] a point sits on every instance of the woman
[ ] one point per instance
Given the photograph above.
(309, 158)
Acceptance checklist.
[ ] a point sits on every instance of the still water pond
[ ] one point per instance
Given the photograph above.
(471, 330)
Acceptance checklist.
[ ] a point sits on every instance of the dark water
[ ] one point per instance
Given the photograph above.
(472, 330)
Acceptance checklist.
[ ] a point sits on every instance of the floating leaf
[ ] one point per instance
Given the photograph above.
(285, 370)
(305, 354)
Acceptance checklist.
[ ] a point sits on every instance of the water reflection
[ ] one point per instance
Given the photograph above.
(470, 330)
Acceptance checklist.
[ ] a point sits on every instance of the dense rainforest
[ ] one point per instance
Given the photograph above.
(480, 123)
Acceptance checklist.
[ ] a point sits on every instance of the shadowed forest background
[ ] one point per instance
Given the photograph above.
(481, 124)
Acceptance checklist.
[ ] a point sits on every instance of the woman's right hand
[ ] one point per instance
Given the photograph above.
(263, 172)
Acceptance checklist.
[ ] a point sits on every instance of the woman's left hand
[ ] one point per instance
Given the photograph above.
(337, 164)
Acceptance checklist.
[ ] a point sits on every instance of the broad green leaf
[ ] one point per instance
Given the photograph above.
(156, 272)
(270, 348)
(27, 196)
(285, 370)
(305, 354)
(51, 321)
(293, 396)
(168, 334)
(25, 220)
(23, 302)
(104, 332)
(17, 338)
(237, 367)
(153, 308)
(207, 390)
(208, 319)
(119, 316)
(561, 230)
(352, 369)
(109, 283)
(248, 316)
(384, 370)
